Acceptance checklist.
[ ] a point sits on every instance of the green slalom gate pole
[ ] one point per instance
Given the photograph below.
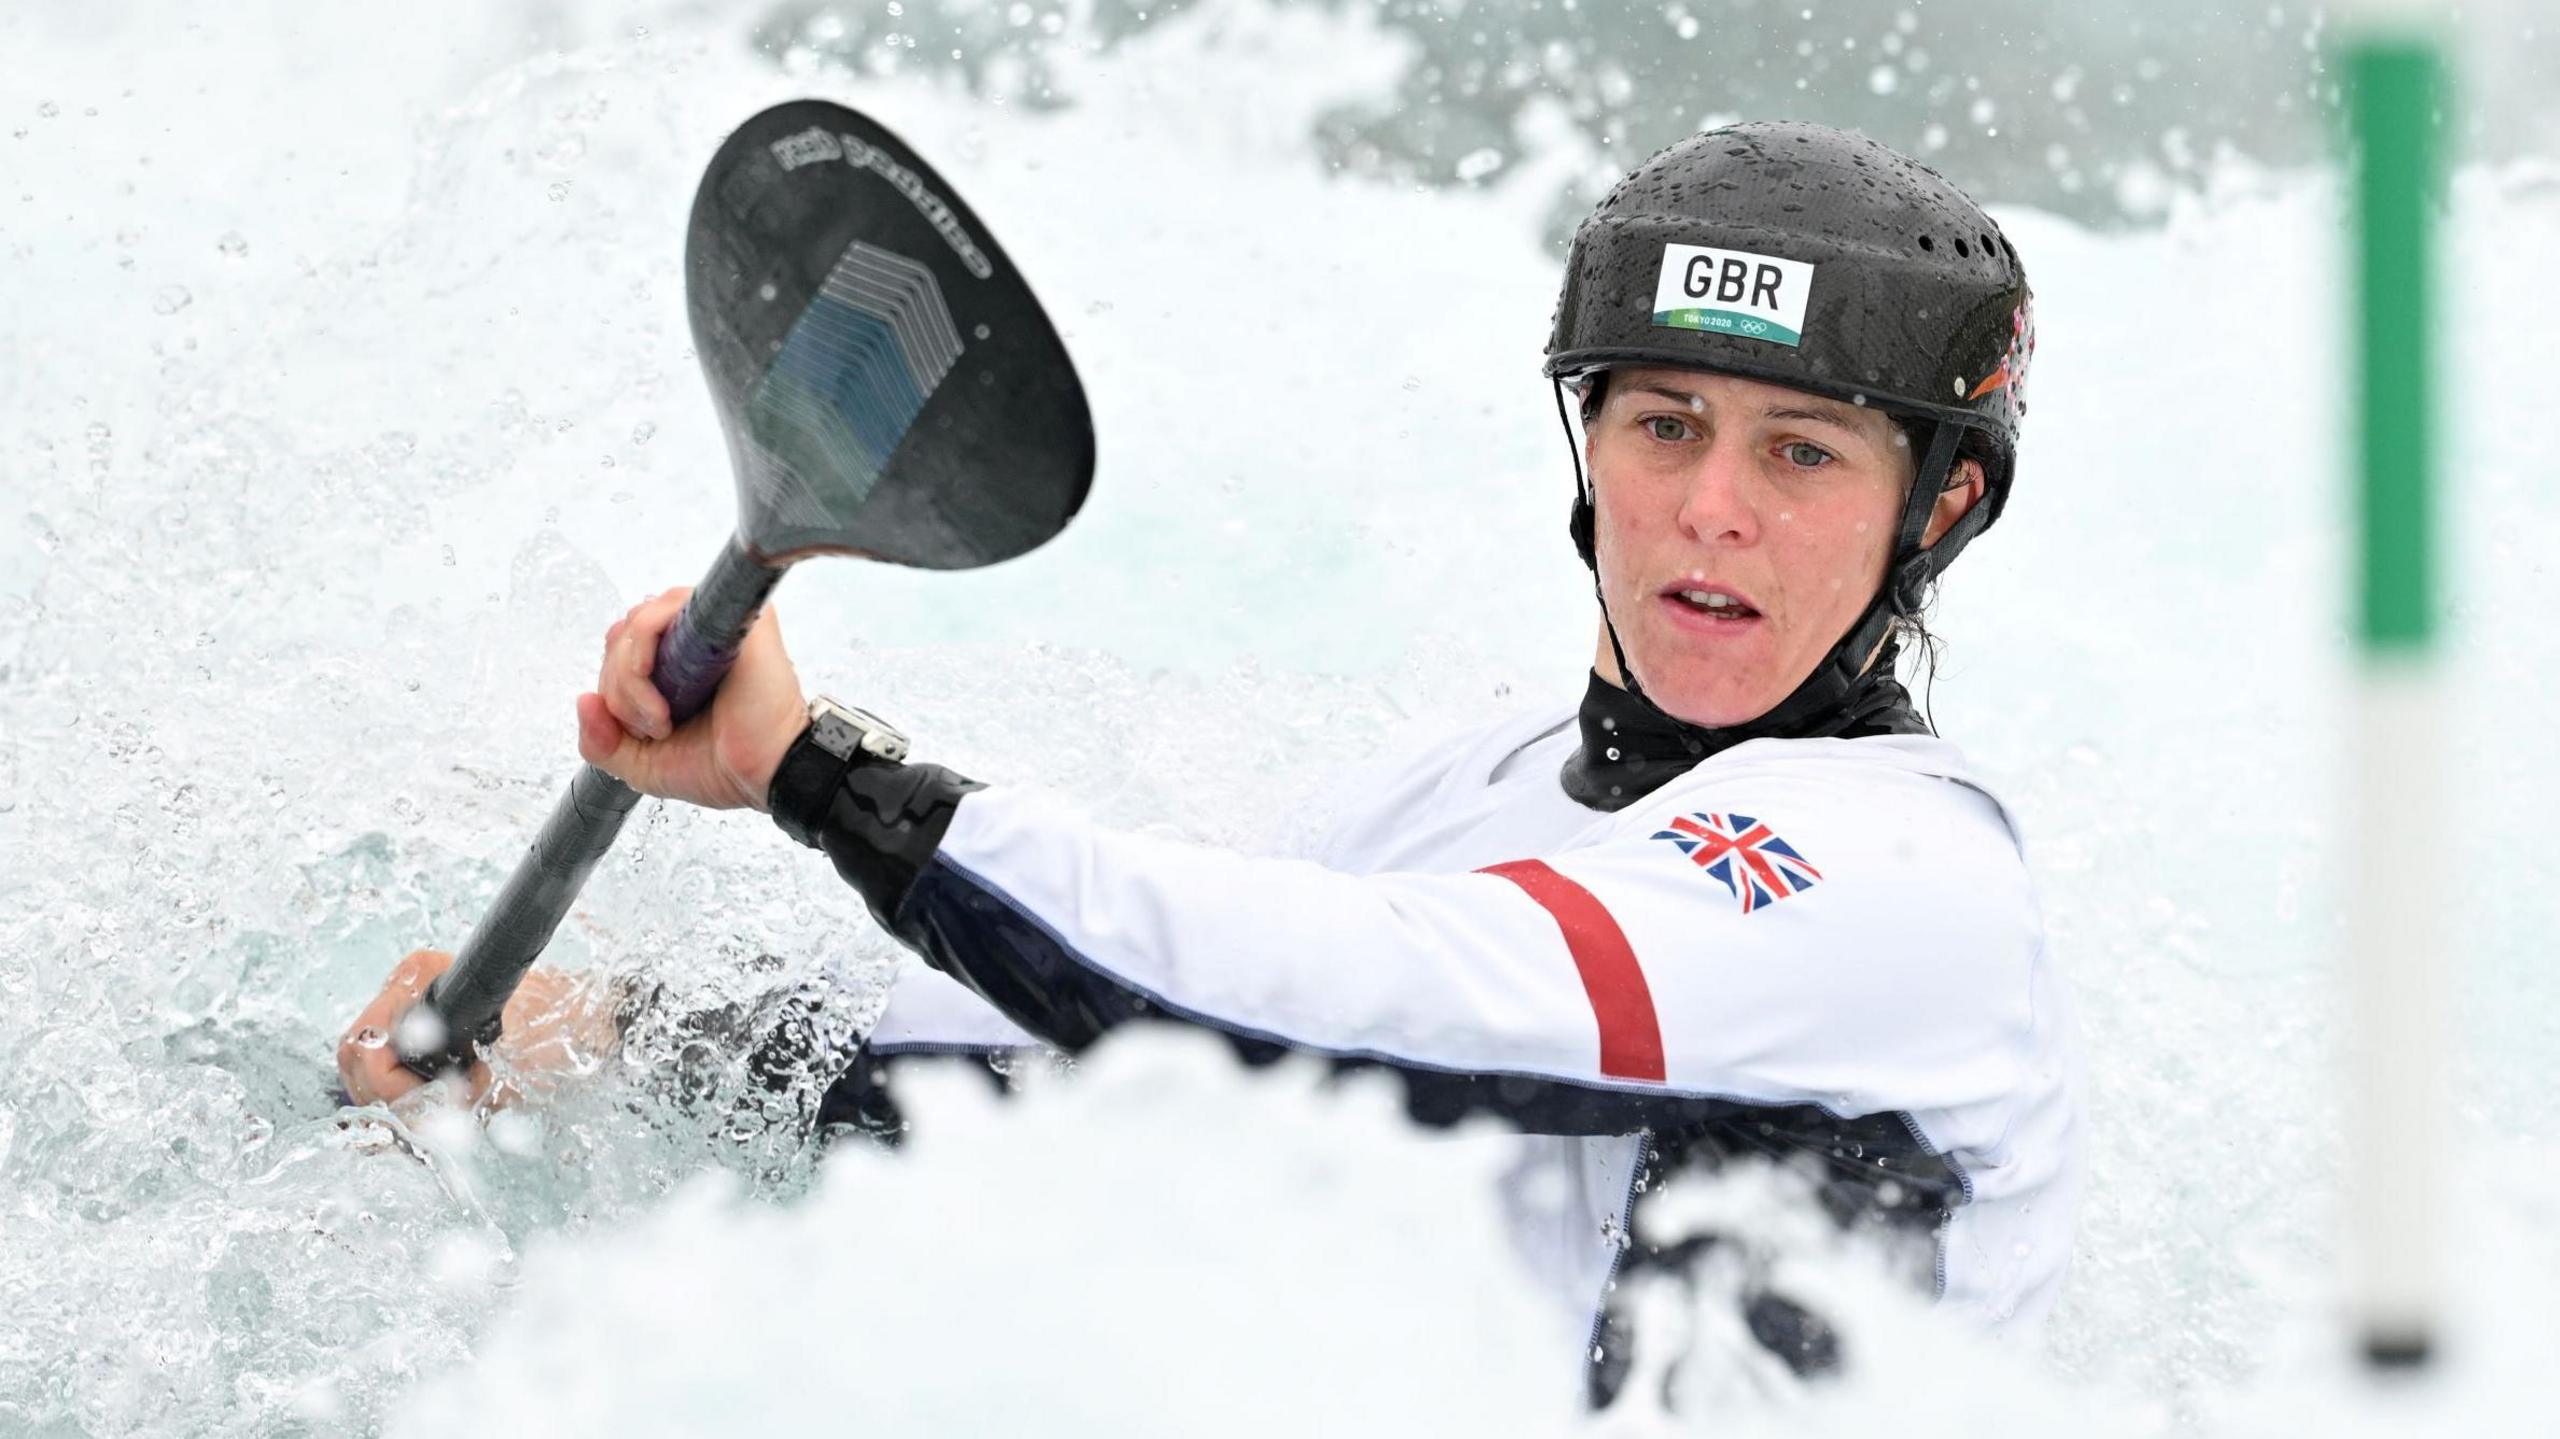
(2398, 1093)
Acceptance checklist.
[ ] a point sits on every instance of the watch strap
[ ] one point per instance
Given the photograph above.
(803, 787)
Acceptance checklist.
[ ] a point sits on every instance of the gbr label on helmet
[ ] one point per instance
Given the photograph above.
(1732, 292)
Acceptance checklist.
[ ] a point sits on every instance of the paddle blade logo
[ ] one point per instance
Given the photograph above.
(813, 146)
(1732, 292)
(850, 378)
(1756, 866)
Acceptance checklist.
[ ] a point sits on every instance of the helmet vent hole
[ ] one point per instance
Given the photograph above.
(1928, 244)
(1960, 249)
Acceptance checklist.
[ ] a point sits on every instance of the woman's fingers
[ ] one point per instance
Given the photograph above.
(599, 733)
(636, 702)
(609, 669)
(367, 1063)
(631, 654)
(626, 679)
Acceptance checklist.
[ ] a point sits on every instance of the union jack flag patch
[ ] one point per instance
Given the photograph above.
(1757, 866)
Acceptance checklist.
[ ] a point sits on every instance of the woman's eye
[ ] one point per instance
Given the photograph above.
(1664, 427)
(1805, 455)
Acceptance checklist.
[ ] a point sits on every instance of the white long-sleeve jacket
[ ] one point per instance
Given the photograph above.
(1799, 947)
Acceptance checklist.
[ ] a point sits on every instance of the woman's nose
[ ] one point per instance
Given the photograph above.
(1717, 507)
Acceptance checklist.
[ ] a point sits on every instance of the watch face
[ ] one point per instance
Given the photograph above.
(843, 731)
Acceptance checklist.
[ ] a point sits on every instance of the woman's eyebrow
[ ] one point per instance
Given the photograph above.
(1826, 414)
(1657, 387)
(1819, 413)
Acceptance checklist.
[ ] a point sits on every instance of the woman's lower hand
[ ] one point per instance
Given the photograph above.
(556, 1024)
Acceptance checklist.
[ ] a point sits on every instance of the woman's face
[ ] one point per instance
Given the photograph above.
(1742, 529)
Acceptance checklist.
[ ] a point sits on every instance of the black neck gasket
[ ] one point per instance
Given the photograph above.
(1630, 748)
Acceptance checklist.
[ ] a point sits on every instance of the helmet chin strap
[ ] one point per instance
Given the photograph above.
(1841, 671)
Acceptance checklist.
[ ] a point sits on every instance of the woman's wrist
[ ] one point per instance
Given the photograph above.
(756, 780)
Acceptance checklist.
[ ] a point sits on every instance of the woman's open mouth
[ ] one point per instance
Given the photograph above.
(1715, 609)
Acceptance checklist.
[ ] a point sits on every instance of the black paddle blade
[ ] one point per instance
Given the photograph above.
(888, 384)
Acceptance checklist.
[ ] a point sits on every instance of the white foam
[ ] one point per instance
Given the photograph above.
(296, 582)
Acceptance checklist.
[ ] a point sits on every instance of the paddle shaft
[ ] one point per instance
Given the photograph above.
(693, 656)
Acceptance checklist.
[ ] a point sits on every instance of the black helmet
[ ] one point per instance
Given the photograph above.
(1814, 258)
(1808, 257)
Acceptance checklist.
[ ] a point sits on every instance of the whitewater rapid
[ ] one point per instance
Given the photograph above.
(345, 396)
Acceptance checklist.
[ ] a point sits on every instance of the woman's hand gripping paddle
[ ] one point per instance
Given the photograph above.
(890, 389)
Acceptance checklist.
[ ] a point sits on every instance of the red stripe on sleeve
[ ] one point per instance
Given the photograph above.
(1630, 1037)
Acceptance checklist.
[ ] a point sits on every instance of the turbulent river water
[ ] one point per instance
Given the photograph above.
(345, 396)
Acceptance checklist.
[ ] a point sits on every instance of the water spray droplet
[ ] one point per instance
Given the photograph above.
(421, 1031)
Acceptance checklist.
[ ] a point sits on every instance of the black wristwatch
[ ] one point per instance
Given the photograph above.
(837, 738)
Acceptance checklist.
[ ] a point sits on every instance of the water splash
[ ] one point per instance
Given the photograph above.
(289, 620)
